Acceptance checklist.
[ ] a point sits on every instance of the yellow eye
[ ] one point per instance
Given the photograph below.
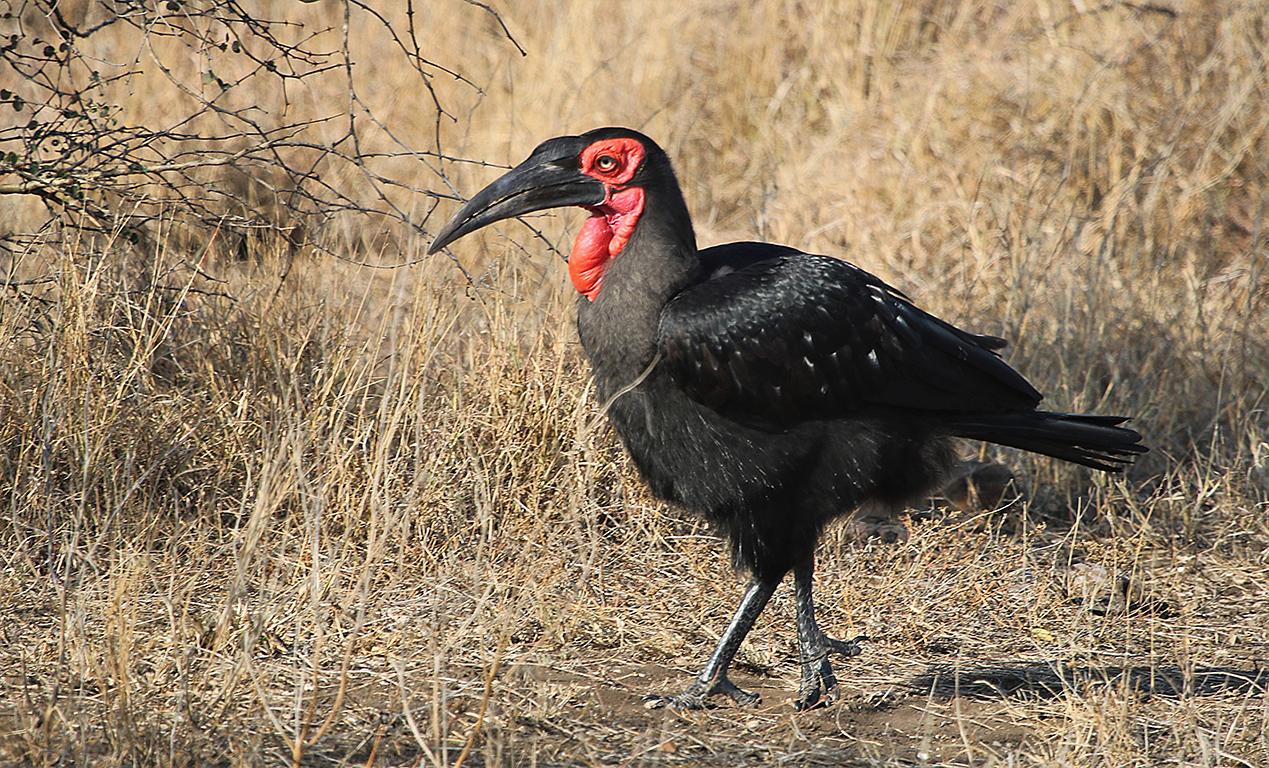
(605, 163)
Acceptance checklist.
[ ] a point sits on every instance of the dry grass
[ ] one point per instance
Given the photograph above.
(363, 516)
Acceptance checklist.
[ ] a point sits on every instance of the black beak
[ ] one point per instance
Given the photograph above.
(550, 178)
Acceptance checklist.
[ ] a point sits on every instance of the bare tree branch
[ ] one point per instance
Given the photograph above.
(218, 159)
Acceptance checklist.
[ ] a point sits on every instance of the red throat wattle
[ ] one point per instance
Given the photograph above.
(602, 237)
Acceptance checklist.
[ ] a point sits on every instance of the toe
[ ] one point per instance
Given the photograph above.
(845, 648)
(653, 701)
(744, 698)
(818, 687)
(735, 693)
(816, 696)
(808, 695)
(698, 694)
(680, 703)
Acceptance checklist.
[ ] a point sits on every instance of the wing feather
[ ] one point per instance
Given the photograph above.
(776, 336)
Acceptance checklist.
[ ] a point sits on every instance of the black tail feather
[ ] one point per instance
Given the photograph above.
(1093, 441)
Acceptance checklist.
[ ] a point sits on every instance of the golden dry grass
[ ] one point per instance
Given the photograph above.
(370, 516)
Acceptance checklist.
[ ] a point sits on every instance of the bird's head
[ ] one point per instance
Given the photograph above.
(608, 171)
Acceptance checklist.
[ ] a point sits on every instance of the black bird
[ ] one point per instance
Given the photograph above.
(767, 389)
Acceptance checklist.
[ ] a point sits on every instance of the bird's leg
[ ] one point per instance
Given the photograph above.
(712, 680)
(818, 686)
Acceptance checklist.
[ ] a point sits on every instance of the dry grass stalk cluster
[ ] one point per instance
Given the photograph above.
(363, 516)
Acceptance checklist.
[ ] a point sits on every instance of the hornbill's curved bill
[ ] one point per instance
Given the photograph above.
(549, 178)
(768, 389)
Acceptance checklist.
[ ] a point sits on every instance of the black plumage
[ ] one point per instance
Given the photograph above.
(834, 339)
(768, 389)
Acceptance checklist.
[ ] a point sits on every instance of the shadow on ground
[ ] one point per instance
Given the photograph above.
(1050, 679)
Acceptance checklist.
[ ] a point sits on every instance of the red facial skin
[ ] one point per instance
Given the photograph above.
(611, 222)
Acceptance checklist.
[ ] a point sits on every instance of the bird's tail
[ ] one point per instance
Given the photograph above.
(1094, 441)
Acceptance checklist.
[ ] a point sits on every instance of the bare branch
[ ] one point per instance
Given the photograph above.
(222, 166)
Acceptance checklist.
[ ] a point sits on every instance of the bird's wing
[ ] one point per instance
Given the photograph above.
(773, 336)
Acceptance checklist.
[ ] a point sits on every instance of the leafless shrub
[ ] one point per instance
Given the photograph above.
(239, 150)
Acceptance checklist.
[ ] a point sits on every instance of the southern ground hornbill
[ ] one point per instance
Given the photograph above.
(767, 389)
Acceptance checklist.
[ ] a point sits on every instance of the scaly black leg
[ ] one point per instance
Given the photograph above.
(712, 680)
(819, 685)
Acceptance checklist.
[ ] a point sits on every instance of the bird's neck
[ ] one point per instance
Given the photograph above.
(619, 324)
(660, 219)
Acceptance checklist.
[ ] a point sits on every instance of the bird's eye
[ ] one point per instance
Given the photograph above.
(605, 163)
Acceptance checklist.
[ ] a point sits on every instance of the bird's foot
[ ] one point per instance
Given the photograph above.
(698, 693)
(818, 686)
